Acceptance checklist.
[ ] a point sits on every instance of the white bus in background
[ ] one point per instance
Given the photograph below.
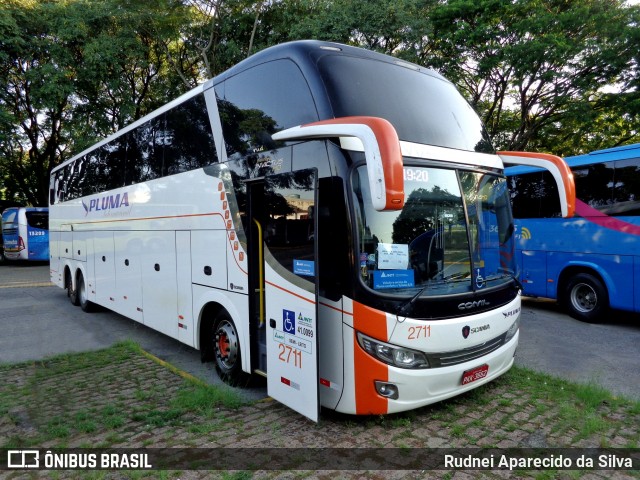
(332, 218)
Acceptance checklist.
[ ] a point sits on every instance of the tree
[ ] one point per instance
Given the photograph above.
(552, 75)
(536, 69)
(72, 72)
(395, 27)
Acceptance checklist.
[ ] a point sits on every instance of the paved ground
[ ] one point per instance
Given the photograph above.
(38, 321)
(124, 399)
(127, 399)
(605, 354)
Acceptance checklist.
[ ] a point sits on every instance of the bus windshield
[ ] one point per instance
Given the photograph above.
(454, 234)
(427, 109)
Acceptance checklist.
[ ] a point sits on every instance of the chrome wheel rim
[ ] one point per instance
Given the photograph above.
(584, 298)
(82, 292)
(226, 344)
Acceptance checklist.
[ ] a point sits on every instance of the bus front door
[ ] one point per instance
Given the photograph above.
(290, 289)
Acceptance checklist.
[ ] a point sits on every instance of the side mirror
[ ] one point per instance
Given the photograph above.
(381, 150)
(558, 168)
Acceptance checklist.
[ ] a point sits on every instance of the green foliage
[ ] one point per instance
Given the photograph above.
(73, 72)
(551, 75)
(537, 70)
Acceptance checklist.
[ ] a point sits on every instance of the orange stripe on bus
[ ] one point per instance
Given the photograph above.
(290, 292)
(366, 368)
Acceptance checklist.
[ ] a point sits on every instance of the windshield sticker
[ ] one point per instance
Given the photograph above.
(393, 279)
(393, 256)
(304, 267)
(479, 277)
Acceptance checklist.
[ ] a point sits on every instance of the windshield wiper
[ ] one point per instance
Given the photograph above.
(454, 277)
(457, 277)
(405, 307)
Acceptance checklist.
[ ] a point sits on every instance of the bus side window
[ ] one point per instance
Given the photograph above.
(594, 184)
(534, 195)
(260, 101)
(187, 137)
(626, 190)
(150, 138)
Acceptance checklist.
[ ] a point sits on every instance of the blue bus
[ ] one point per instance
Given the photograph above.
(25, 233)
(590, 262)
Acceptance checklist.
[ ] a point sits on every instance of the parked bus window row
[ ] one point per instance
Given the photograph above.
(176, 141)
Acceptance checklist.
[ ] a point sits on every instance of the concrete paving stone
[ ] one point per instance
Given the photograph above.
(617, 442)
(121, 386)
(463, 476)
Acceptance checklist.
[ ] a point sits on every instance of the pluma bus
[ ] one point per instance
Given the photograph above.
(332, 218)
(590, 263)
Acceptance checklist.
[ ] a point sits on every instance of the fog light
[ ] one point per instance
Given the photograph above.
(387, 390)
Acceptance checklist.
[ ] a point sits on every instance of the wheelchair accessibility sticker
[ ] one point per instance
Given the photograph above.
(289, 321)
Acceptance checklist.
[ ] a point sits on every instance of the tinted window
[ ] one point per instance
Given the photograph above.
(422, 108)
(114, 158)
(626, 190)
(150, 144)
(260, 101)
(534, 195)
(187, 137)
(594, 184)
(101, 175)
(38, 220)
(177, 141)
(289, 232)
(9, 217)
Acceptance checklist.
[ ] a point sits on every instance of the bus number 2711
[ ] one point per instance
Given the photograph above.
(289, 354)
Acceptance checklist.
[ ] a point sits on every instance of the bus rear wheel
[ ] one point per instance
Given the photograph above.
(586, 298)
(72, 293)
(226, 349)
(83, 297)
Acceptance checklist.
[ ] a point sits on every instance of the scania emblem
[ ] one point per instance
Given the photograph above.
(466, 330)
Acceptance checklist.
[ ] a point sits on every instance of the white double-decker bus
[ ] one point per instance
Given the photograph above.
(330, 217)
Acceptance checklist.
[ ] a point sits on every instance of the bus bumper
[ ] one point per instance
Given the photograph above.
(420, 387)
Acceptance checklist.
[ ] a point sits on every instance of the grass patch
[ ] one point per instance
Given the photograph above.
(119, 397)
(205, 399)
(581, 409)
(102, 391)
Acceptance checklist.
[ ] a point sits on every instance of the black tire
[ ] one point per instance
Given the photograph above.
(586, 298)
(83, 296)
(72, 293)
(226, 350)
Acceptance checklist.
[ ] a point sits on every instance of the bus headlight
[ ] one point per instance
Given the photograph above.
(512, 330)
(392, 354)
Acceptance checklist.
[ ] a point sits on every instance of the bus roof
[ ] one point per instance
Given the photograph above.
(305, 53)
(598, 156)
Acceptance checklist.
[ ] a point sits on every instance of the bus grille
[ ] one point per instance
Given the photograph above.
(9, 231)
(447, 359)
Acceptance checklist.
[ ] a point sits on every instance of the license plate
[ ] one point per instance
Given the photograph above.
(475, 374)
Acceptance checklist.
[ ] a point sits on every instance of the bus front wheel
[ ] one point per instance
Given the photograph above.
(586, 298)
(226, 348)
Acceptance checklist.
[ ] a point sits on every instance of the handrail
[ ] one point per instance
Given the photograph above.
(260, 273)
